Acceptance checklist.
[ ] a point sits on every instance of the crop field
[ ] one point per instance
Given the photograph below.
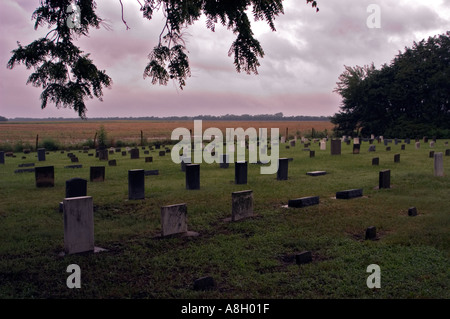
(68, 133)
(250, 258)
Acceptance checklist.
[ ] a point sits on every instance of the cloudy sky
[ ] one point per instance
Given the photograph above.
(302, 63)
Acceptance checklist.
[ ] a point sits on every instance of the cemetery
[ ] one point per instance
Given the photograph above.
(224, 230)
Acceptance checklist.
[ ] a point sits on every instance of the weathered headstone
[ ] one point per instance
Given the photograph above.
(303, 202)
(407, 140)
(204, 283)
(438, 164)
(2, 157)
(162, 153)
(316, 173)
(431, 144)
(78, 224)
(412, 211)
(112, 162)
(376, 161)
(312, 154)
(124, 153)
(97, 173)
(242, 205)
(371, 233)
(173, 219)
(417, 145)
(304, 257)
(41, 154)
(76, 187)
(224, 161)
(388, 148)
(74, 159)
(384, 179)
(397, 158)
(134, 153)
(282, 172)
(192, 176)
(403, 147)
(372, 148)
(292, 143)
(103, 155)
(136, 184)
(356, 148)
(336, 147)
(431, 154)
(323, 146)
(349, 194)
(148, 159)
(240, 173)
(447, 152)
(45, 176)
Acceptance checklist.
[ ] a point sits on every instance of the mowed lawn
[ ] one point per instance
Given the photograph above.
(251, 258)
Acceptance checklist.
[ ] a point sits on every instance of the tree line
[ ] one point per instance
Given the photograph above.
(410, 97)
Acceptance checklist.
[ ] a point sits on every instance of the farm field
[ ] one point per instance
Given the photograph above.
(67, 133)
(250, 258)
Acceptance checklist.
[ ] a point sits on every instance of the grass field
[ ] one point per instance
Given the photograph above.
(252, 258)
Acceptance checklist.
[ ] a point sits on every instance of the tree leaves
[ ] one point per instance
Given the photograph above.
(413, 91)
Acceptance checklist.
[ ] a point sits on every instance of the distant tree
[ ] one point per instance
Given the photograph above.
(409, 97)
(68, 77)
(3, 119)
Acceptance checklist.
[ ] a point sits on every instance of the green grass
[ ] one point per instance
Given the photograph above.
(252, 258)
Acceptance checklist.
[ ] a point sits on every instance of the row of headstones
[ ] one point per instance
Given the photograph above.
(79, 217)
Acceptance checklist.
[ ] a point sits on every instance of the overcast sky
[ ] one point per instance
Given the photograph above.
(302, 63)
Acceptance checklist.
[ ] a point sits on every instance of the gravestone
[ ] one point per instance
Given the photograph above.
(136, 184)
(173, 219)
(312, 154)
(242, 205)
(24, 170)
(371, 233)
(112, 162)
(397, 158)
(240, 172)
(148, 159)
(376, 161)
(304, 257)
(372, 148)
(356, 148)
(111, 152)
(316, 173)
(447, 152)
(431, 144)
(192, 176)
(74, 159)
(124, 153)
(78, 224)
(431, 154)
(323, 146)
(292, 143)
(349, 194)
(403, 147)
(146, 152)
(157, 146)
(417, 145)
(134, 153)
(76, 187)
(282, 172)
(2, 157)
(184, 161)
(151, 172)
(74, 166)
(204, 283)
(384, 179)
(438, 164)
(102, 155)
(412, 211)
(224, 161)
(356, 140)
(283, 139)
(97, 173)
(26, 165)
(335, 147)
(45, 176)
(407, 140)
(162, 153)
(41, 154)
(388, 148)
(303, 202)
